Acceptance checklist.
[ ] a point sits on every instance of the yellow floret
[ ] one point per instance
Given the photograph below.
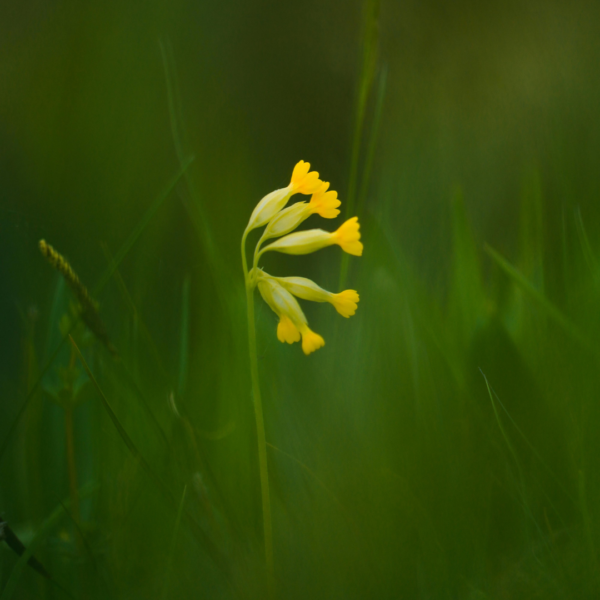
(302, 242)
(303, 181)
(311, 341)
(348, 236)
(345, 302)
(287, 331)
(287, 220)
(325, 203)
(300, 171)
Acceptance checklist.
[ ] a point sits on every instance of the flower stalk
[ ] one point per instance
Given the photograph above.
(280, 293)
(260, 426)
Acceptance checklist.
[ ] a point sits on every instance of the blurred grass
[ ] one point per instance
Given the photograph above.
(443, 444)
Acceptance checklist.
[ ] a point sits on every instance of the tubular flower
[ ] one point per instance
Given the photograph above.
(311, 341)
(345, 302)
(348, 236)
(322, 202)
(325, 203)
(279, 292)
(302, 182)
(292, 322)
(287, 331)
(305, 242)
(287, 220)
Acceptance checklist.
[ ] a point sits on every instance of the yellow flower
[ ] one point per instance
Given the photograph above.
(287, 220)
(348, 236)
(280, 223)
(292, 322)
(311, 341)
(345, 302)
(322, 202)
(325, 202)
(305, 242)
(302, 182)
(287, 331)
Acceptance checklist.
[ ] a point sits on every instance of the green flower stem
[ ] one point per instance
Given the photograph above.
(260, 427)
(257, 254)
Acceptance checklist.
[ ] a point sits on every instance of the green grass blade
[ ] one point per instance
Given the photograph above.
(467, 299)
(169, 567)
(207, 544)
(364, 188)
(59, 302)
(29, 396)
(88, 549)
(321, 484)
(139, 229)
(373, 139)
(137, 317)
(115, 420)
(587, 519)
(531, 235)
(515, 456)
(219, 269)
(126, 378)
(370, 43)
(176, 120)
(586, 247)
(554, 313)
(524, 437)
(184, 340)
(500, 425)
(369, 62)
(40, 536)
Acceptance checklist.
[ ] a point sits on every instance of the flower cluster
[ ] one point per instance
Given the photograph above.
(280, 292)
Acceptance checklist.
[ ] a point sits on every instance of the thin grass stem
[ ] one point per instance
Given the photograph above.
(260, 427)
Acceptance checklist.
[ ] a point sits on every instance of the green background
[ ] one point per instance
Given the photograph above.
(466, 138)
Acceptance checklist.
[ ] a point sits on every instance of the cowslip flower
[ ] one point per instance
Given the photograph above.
(280, 293)
(305, 242)
(292, 322)
(322, 202)
(303, 181)
(345, 302)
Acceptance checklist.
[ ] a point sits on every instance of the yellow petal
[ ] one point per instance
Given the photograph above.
(309, 184)
(303, 181)
(311, 341)
(325, 203)
(348, 236)
(287, 331)
(345, 302)
(300, 170)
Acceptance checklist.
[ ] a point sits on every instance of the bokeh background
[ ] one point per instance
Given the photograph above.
(443, 443)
